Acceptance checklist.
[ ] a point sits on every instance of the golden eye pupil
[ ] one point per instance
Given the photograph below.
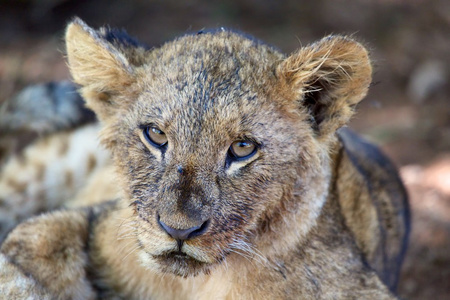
(156, 136)
(241, 149)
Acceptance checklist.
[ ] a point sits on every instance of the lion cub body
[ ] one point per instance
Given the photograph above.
(302, 215)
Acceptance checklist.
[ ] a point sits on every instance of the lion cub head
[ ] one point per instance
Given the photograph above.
(221, 142)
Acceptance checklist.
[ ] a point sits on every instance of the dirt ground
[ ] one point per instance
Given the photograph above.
(407, 111)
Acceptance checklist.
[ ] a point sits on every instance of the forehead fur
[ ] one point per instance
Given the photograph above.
(211, 64)
(218, 47)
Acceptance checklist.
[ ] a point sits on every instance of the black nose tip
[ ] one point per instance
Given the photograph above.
(184, 234)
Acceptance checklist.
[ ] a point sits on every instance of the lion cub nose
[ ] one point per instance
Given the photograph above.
(184, 234)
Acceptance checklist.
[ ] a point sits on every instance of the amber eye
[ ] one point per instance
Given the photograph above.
(243, 149)
(155, 136)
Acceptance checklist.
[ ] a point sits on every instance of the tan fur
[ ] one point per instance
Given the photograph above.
(58, 259)
(304, 217)
(16, 284)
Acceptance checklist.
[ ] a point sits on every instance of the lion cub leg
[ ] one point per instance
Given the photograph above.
(45, 256)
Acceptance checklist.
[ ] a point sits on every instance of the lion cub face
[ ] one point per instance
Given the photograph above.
(221, 142)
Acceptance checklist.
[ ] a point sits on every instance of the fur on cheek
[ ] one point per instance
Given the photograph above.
(296, 213)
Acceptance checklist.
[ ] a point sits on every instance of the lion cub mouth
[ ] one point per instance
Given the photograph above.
(181, 264)
(178, 254)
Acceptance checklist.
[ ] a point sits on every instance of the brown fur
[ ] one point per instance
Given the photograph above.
(305, 217)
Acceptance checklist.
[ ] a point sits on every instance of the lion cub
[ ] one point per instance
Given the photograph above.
(232, 179)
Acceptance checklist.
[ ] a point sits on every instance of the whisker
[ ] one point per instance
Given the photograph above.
(241, 247)
(132, 251)
(124, 246)
(126, 237)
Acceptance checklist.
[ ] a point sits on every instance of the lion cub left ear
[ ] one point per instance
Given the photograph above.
(328, 78)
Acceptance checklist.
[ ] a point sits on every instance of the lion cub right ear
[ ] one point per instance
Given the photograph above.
(326, 79)
(98, 62)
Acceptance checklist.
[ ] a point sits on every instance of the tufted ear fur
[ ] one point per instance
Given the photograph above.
(328, 78)
(101, 62)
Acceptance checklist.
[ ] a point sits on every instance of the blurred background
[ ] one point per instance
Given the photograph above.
(407, 111)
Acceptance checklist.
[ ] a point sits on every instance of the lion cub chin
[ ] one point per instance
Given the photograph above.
(232, 177)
